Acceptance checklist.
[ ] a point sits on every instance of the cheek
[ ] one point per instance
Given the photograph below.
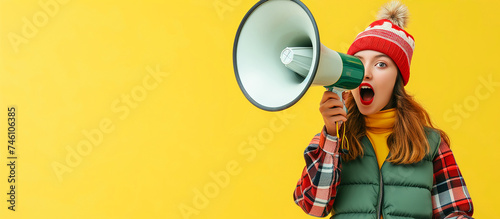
(387, 86)
(355, 94)
(385, 93)
(393, 76)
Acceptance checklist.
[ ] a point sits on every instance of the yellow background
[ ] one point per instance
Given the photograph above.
(86, 67)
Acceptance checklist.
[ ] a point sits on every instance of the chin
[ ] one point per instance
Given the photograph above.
(367, 112)
(368, 109)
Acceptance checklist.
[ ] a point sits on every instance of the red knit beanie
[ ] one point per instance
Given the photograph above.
(388, 36)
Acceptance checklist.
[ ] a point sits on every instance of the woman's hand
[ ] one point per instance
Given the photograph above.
(332, 110)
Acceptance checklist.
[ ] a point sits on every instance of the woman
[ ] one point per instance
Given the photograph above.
(397, 164)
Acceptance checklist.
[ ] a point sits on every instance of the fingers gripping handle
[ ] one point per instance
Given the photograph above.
(339, 92)
(344, 145)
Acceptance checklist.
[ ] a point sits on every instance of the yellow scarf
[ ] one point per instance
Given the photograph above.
(378, 128)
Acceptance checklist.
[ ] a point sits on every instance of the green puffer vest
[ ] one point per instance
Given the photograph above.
(397, 191)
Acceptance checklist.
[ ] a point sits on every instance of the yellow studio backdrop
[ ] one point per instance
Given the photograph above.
(127, 109)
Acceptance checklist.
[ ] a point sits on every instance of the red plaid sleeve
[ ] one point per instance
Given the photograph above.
(450, 198)
(316, 189)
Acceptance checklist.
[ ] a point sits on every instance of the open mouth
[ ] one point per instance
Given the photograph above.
(366, 93)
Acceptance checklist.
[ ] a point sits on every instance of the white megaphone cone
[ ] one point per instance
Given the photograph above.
(277, 56)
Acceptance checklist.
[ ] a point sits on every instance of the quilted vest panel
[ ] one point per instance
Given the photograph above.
(397, 191)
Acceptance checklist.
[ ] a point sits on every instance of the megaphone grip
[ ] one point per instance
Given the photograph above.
(339, 92)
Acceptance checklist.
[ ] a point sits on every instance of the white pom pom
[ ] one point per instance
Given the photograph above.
(396, 12)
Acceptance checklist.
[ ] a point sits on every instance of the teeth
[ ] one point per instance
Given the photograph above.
(365, 87)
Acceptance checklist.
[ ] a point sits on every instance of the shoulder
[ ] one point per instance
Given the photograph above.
(434, 139)
(432, 132)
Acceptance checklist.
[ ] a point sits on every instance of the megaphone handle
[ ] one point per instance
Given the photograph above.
(339, 123)
(339, 93)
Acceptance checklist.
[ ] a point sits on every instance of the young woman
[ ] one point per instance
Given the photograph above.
(397, 164)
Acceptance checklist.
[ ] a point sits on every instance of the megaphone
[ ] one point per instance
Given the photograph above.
(277, 56)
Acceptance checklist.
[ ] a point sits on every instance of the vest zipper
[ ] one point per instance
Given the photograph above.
(381, 194)
(381, 184)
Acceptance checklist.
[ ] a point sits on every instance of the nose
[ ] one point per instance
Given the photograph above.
(368, 73)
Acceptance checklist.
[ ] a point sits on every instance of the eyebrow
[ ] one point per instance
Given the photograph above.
(377, 56)
(382, 55)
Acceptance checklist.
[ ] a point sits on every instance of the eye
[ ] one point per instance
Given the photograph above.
(381, 65)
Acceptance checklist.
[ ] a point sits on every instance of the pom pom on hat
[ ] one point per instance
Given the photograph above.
(396, 12)
(387, 36)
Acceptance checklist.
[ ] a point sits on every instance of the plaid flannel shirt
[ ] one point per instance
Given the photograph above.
(317, 188)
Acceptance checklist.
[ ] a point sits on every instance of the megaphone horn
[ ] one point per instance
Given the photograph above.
(277, 56)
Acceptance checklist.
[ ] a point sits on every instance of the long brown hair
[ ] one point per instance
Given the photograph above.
(406, 144)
